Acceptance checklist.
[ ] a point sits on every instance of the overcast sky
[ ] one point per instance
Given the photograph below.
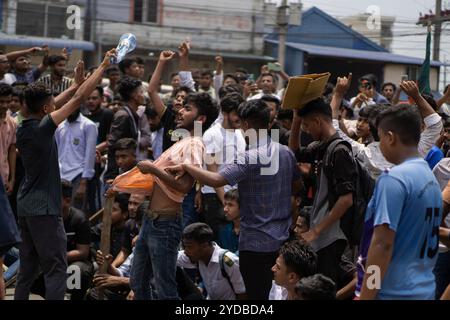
(406, 13)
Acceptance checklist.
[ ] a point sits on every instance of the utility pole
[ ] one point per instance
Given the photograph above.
(436, 19)
(283, 23)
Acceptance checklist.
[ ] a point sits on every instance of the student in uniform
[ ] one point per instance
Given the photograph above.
(218, 267)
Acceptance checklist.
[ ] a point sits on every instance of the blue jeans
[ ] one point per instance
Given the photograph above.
(12, 262)
(155, 255)
(442, 273)
(189, 214)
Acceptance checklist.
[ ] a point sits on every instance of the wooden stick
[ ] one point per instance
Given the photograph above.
(96, 215)
(105, 241)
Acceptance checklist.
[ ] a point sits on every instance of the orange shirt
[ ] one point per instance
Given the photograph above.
(189, 150)
(7, 138)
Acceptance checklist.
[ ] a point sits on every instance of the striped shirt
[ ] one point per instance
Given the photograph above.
(56, 87)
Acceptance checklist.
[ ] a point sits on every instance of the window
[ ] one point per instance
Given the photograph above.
(42, 20)
(413, 73)
(145, 11)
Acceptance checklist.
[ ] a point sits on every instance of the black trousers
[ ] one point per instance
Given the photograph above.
(43, 247)
(213, 213)
(329, 259)
(257, 274)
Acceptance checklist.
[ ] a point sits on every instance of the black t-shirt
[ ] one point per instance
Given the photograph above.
(102, 120)
(283, 134)
(77, 229)
(130, 231)
(116, 238)
(169, 125)
(40, 191)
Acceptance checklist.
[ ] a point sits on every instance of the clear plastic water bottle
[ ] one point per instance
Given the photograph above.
(127, 43)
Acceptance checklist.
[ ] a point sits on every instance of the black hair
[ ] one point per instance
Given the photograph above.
(372, 115)
(389, 84)
(268, 74)
(139, 60)
(18, 92)
(447, 123)
(285, 114)
(232, 195)
(206, 72)
(150, 112)
(111, 69)
(316, 287)
(268, 98)
(350, 112)
(122, 199)
(299, 258)
(66, 189)
(198, 232)
(173, 75)
(305, 213)
(232, 76)
(365, 112)
(255, 112)
(241, 70)
(231, 102)
(100, 90)
(127, 144)
(183, 88)
(404, 120)
(328, 90)
(431, 101)
(232, 88)
(5, 90)
(126, 63)
(205, 105)
(316, 107)
(54, 59)
(371, 78)
(36, 96)
(126, 87)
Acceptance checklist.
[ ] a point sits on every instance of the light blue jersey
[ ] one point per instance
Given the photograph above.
(408, 199)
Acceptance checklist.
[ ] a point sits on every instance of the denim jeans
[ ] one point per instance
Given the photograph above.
(155, 255)
(189, 214)
(442, 273)
(12, 261)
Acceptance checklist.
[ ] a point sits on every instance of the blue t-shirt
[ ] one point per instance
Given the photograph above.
(408, 199)
(434, 156)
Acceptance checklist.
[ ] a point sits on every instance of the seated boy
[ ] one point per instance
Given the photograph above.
(218, 267)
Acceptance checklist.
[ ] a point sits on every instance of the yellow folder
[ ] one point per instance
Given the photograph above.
(304, 89)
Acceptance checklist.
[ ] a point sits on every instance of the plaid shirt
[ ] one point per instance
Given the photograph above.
(265, 200)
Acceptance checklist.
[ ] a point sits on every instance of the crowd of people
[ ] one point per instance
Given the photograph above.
(340, 199)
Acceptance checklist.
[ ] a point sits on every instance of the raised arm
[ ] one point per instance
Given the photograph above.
(159, 106)
(342, 86)
(184, 71)
(83, 91)
(16, 54)
(66, 95)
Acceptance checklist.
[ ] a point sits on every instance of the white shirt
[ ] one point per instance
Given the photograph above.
(8, 78)
(278, 292)
(442, 172)
(226, 145)
(260, 95)
(216, 285)
(76, 148)
(445, 108)
(374, 159)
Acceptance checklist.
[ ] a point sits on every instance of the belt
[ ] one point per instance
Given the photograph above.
(166, 214)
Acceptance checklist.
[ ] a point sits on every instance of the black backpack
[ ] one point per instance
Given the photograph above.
(353, 221)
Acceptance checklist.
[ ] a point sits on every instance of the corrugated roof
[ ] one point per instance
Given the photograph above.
(324, 51)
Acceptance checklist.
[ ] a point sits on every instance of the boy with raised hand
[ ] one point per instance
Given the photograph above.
(39, 197)
(401, 232)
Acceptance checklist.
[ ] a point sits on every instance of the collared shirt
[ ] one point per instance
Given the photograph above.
(371, 155)
(56, 87)
(7, 138)
(225, 145)
(125, 268)
(264, 176)
(157, 143)
(76, 148)
(40, 191)
(277, 293)
(216, 284)
(29, 77)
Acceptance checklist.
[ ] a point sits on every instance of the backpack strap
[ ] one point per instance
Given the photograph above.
(223, 259)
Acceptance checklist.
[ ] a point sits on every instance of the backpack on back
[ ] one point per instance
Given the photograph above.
(353, 220)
